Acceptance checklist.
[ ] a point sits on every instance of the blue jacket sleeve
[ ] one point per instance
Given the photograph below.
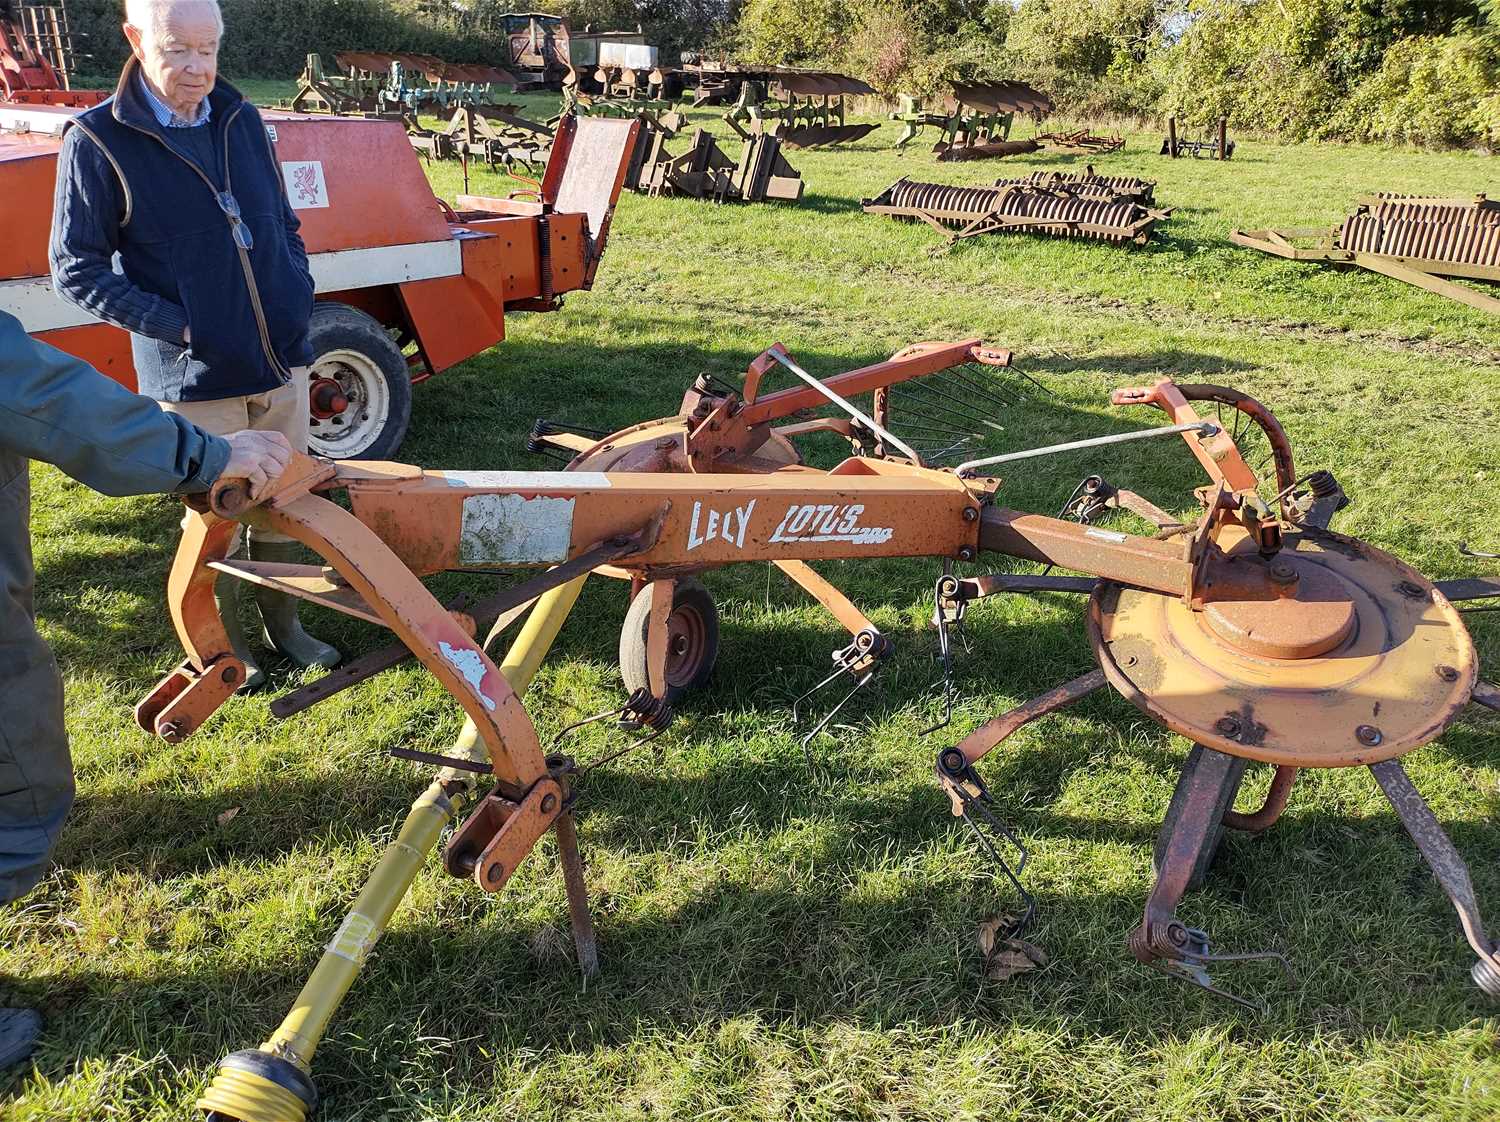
(88, 209)
(60, 410)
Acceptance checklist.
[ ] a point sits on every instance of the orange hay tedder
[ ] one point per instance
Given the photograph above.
(1250, 628)
(407, 285)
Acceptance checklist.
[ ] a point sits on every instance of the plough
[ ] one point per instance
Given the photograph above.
(810, 112)
(372, 82)
(704, 171)
(975, 120)
(1251, 627)
(494, 134)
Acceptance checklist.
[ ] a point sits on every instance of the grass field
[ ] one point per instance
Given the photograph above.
(780, 943)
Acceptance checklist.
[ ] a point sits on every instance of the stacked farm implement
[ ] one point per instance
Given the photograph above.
(376, 82)
(1080, 140)
(37, 55)
(704, 171)
(494, 135)
(1114, 209)
(1250, 627)
(1414, 239)
(1216, 146)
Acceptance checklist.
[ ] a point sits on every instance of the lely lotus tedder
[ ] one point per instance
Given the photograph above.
(1252, 628)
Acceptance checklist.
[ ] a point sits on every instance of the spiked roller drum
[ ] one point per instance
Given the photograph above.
(1063, 210)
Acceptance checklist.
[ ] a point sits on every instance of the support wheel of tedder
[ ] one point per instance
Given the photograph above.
(692, 644)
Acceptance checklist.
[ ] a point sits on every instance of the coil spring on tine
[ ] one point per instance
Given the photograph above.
(644, 708)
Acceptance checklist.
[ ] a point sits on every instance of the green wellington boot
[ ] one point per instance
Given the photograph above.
(278, 611)
(227, 593)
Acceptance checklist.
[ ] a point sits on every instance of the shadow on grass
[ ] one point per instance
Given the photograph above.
(801, 954)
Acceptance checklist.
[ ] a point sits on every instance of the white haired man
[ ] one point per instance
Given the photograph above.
(176, 175)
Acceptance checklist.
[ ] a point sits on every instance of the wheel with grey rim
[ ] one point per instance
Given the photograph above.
(359, 389)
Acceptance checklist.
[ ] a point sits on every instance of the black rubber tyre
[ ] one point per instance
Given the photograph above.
(694, 643)
(353, 349)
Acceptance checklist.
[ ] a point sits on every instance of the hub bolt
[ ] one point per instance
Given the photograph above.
(1282, 572)
(1447, 673)
(1368, 735)
(1228, 726)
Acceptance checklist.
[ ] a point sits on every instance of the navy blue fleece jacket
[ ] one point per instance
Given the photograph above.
(127, 186)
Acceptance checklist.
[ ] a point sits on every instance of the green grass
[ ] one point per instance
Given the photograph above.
(779, 943)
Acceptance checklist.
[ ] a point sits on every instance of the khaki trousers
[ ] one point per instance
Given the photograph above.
(282, 410)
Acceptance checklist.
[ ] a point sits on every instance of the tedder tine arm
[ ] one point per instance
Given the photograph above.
(838, 605)
(1446, 864)
(1470, 588)
(1487, 695)
(1205, 789)
(971, 798)
(988, 736)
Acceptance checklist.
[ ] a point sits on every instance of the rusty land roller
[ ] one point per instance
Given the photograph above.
(1420, 240)
(1250, 627)
(1114, 209)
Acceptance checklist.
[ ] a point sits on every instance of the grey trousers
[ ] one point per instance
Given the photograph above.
(36, 770)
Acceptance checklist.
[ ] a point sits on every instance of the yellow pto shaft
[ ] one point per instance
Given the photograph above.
(273, 1083)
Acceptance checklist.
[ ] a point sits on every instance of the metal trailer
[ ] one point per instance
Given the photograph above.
(407, 285)
(538, 47)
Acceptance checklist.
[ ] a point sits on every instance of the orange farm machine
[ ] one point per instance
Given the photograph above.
(1246, 624)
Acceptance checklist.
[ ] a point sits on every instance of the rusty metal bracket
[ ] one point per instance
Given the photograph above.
(1447, 866)
(484, 614)
(172, 710)
(500, 832)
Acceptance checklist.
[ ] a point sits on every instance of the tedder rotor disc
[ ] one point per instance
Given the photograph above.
(1330, 654)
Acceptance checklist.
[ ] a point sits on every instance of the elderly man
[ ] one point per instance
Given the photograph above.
(60, 410)
(175, 173)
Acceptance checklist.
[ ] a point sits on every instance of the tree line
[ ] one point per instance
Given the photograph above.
(1421, 71)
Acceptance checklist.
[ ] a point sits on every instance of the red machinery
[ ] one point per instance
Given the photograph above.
(36, 47)
(407, 286)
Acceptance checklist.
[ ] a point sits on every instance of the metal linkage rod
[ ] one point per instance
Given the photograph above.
(1202, 428)
(847, 406)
